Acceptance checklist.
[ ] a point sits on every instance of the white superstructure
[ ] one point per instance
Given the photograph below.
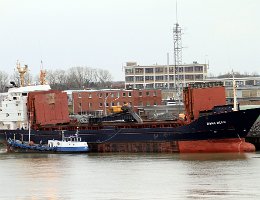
(13, 110)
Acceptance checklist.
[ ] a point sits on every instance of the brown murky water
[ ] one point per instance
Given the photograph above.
(129, 176)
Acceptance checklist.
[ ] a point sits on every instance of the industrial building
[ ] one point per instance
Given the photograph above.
(99, 102)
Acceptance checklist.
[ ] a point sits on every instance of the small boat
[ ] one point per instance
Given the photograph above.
(71, 144)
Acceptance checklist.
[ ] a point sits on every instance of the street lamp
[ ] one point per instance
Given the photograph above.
(105, 104)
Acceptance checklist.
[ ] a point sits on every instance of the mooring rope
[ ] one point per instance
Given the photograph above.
(239, 143)
(110, 137)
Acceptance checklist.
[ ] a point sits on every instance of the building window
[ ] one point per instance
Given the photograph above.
(139, 78)
(147, 93)
(124, 94)
(140, 94)
(79, 95)
(189, 77)
(149, 78)
(19, 114)
(159, 85)
(112, 95)
(171, 85)
(129, 71)
(107, 104)
(100, 104)
(159, 69)
(129, 94)
(171, 69)
(155, 103)
(112, 104)
(139, 70)
(188, 69)
(154, 93)
(159, 78)
(100, 95)
(129, 79)
(198, 68)
(180, 69)
(139, 86)
(149, 86)
(90, 95)
(149, 70)
(199, 77)
(147, 103)
(90, 105)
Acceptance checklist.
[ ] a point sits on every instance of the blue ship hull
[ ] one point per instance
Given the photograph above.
(72, 149)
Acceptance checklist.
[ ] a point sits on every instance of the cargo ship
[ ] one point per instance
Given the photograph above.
(208, 124)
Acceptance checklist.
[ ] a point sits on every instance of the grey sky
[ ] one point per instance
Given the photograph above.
(107, 33)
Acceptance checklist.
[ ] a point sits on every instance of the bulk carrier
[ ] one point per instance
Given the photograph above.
(208, 125)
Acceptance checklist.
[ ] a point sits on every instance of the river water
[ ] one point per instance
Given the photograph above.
(129, 176)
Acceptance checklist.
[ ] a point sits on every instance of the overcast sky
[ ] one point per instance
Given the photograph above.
(107, 33)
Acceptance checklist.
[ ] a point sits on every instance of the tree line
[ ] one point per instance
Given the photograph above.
(76, 78)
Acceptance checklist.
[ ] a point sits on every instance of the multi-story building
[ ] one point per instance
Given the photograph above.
(89, 101)
(163, 76)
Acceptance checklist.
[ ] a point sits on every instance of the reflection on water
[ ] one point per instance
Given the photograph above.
(129, 176)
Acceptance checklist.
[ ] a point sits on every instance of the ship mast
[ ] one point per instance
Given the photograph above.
(42, 75)
(22, 71)
(235, 107)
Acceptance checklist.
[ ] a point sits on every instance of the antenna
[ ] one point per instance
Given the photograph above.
(177, 32)
(41, 65)
(176, 11)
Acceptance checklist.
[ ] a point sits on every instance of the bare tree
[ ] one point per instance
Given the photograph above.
(104, 78)
(80, 77)
(3, 81)
(61, 80)
(57, 79)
